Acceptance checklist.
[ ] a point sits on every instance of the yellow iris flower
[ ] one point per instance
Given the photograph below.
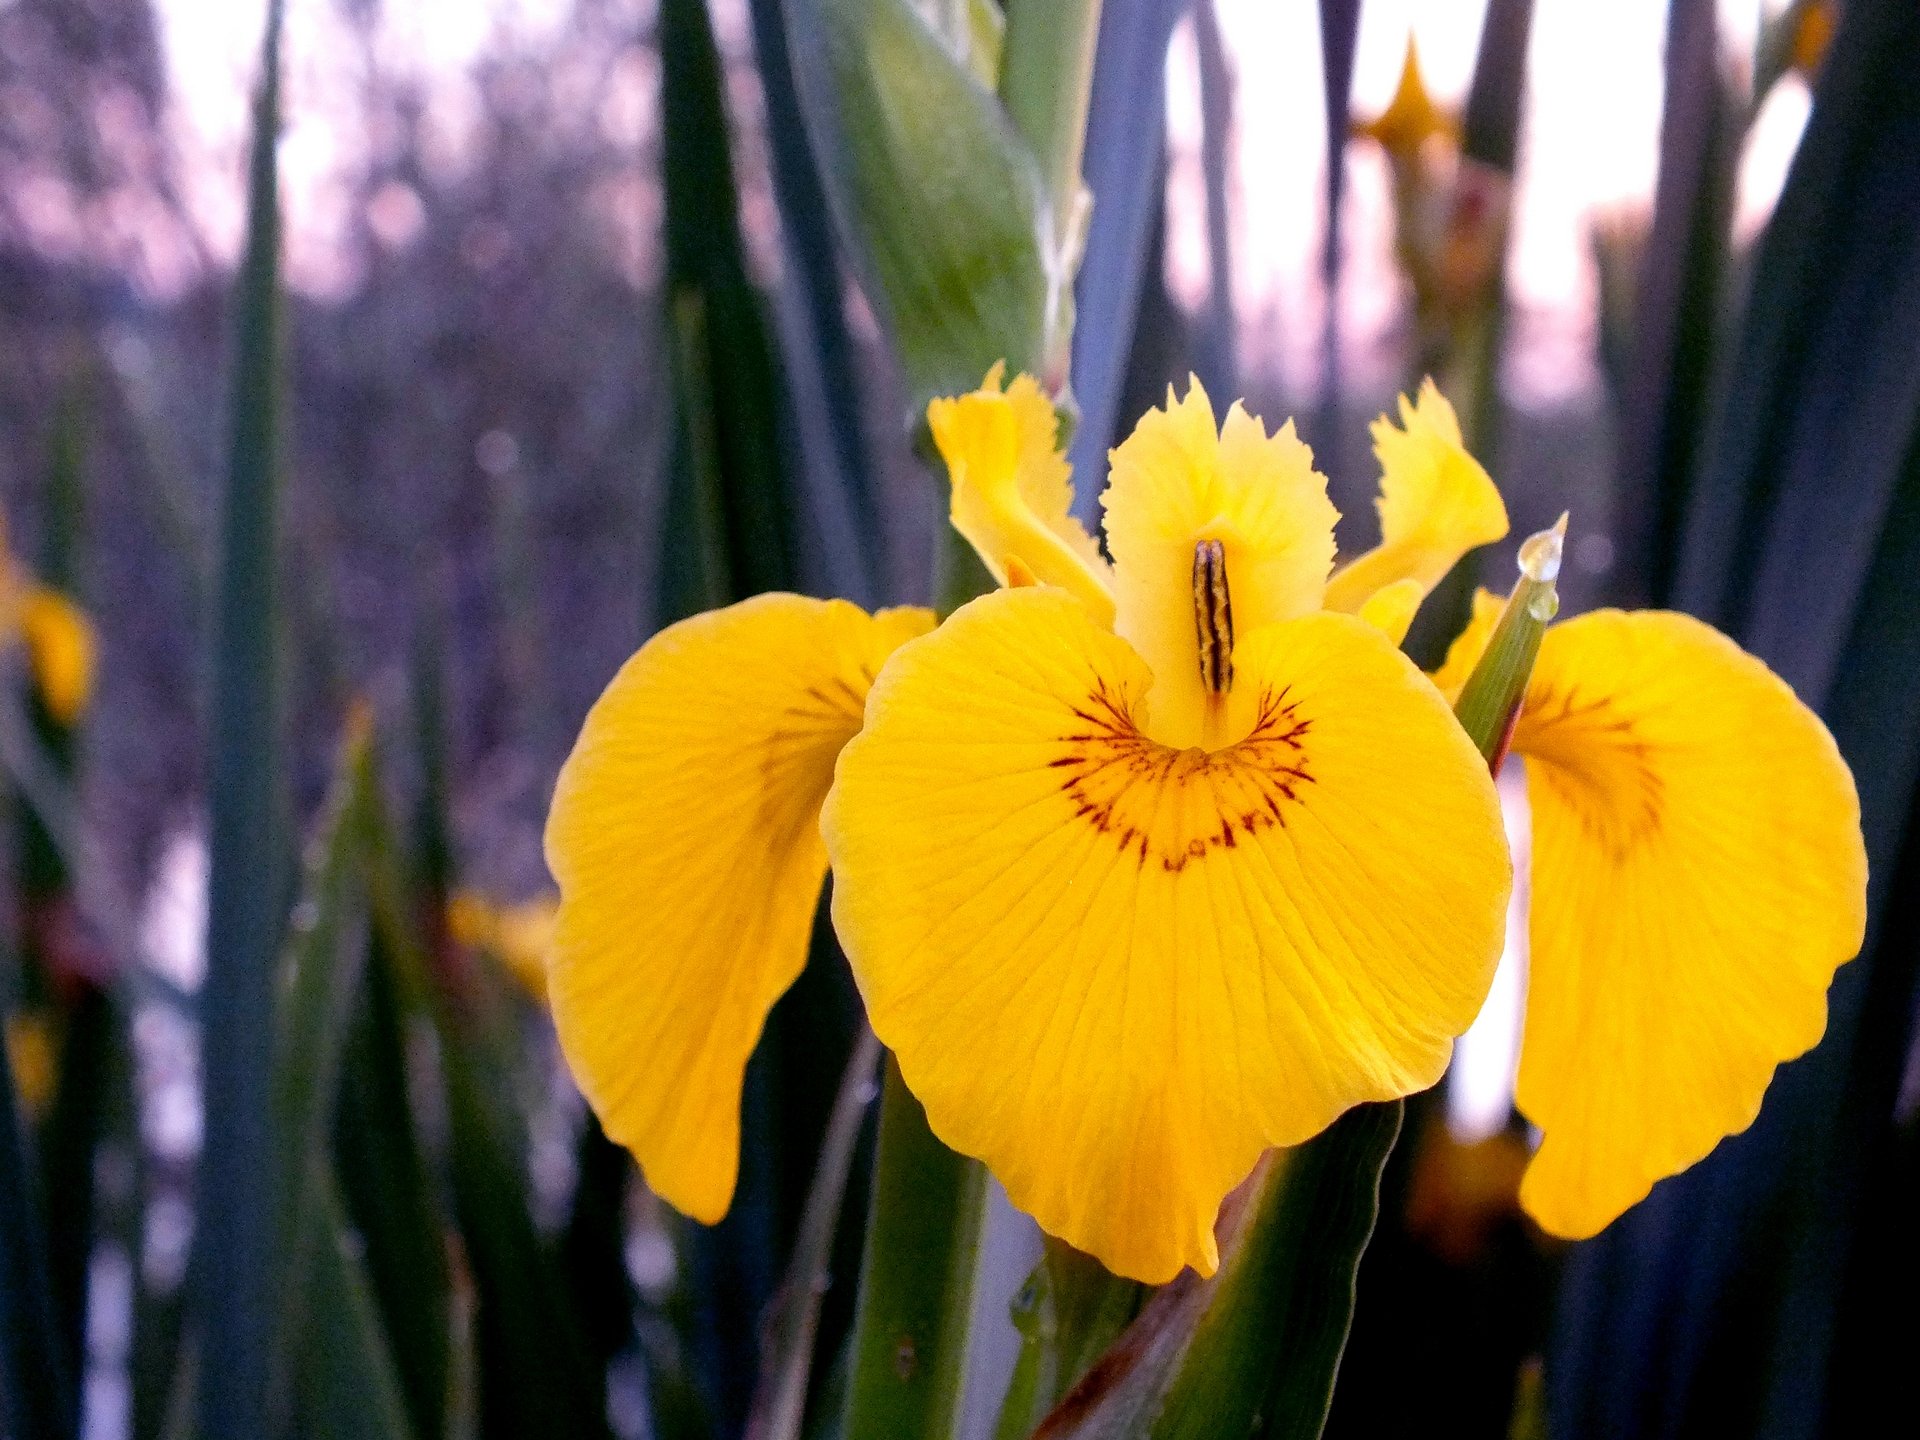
(1698, 876)
(1142, 869)
(1132, 902)
(1145, 867)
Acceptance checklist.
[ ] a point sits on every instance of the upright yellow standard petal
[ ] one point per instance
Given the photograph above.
(1698, 875)
(1117, 971)
(1012, 490)
(1176, 482)
(684, 836)
(60, 648)
(1436, 503)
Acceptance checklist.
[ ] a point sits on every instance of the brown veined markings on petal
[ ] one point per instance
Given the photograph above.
(1595, 759)
(1119, 780)
(829, 709)
(1117, 1036)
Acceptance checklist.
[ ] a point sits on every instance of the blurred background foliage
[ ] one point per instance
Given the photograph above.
(373, 426)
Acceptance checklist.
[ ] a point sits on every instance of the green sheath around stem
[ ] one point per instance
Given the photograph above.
(916, 1280)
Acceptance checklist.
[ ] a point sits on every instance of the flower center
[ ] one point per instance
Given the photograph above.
(1213, 616)
(1171, 807)
(1213, 637)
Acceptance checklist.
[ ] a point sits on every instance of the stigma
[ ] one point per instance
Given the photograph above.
(1213, 617)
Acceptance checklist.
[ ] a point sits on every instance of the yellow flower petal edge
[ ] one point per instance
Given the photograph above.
(61, 649)
(1177, 481)
(1012, 490)
(1391, 608)
(1118, 971)
(1698, 876)
(684, 837)
(1436, 503)
(1465, 651)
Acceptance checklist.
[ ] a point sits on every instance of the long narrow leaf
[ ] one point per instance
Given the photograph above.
(234, 1230)
(347, 1387)
(35, 1394)
(1676, 317)
(822, 367)
(318, 991)
(389, 1197)
(1126, 136)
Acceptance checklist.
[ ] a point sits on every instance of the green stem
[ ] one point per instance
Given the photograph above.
(916, 1280)
(1489, 702)
(1069, 1311)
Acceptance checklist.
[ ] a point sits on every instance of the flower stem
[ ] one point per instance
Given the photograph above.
(916, 1280)
(1489, 702)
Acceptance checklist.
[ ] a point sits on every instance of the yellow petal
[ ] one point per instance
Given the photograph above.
(1411, 117)
(1436, 503)
(1467, 647)
(1012, 489)
(684, 836)
(1176, 482)
(60, 648)
(1391, 608)
(1698, 875)
(1117, 972)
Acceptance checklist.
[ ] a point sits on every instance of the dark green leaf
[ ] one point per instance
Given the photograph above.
(389, 1198)
(731, 529)
(234, 1226)
(346, 1387)
(36, 1396)
(1253, 1350)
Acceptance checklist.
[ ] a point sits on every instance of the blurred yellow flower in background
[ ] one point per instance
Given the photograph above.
(34, 1055)
(518, 935)
(1411, 117)
(1133, 903)
(56, 634)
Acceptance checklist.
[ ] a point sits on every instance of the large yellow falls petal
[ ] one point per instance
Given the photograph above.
(684, 836)
(1117, 971)
(1698, 875)
(1012, 491)
(1176, 482)
(1436, 503)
